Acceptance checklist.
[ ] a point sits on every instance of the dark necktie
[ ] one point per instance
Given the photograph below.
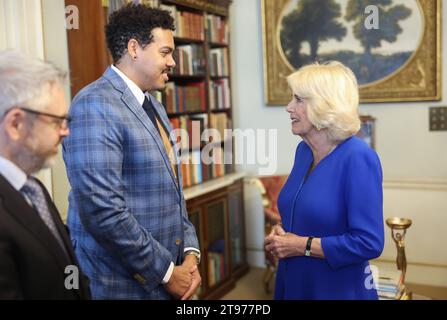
(34, 192)
(149, 108)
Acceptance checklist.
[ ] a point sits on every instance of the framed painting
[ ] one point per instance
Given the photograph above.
(367, 130)
(394, 49)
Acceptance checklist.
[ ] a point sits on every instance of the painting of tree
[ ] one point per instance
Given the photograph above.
(321, 30)
(390, 18)
(393, 46)
(389, 30)
(313, 21)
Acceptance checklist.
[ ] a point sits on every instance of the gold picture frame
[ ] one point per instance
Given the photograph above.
(367, 130)
(418, 79)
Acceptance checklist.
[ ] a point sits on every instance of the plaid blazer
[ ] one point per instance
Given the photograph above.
(127, 215)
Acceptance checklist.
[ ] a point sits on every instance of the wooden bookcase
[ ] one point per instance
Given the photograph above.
(218, 214)
(219, 220)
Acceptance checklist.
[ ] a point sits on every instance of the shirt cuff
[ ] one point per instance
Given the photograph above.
(168, 274)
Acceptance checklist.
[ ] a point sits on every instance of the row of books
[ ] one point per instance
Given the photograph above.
(219, 94)
(193, 126)
(216, 257)
(220, 122)
(216, 268)
(185, 98)
(219, 63)
(389, 284)
(190, 60)
(192, 97)
(195, 171)
(188, 25)
(114, 5)
(217, 29)
(203, 157)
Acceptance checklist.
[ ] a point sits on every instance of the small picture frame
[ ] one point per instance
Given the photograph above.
(367, 130)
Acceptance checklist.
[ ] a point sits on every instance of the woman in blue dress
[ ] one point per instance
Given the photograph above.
(331, 205)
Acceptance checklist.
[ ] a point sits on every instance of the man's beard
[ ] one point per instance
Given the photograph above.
(31, 160)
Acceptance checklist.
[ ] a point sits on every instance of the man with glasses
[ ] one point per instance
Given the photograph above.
(36, 257)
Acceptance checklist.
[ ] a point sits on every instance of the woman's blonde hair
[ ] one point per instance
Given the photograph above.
(332, 94)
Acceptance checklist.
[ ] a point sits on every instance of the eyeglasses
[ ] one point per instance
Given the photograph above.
(62, 121)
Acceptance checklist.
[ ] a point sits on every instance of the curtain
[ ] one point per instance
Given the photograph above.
(21, 29)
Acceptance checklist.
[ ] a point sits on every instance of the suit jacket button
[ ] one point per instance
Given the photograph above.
(139, 278)
(178, 242)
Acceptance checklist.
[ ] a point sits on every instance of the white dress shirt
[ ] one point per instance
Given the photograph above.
(13, 174)
(137, 92)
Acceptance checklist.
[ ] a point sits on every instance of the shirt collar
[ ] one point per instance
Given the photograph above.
(13, 174)
(136, 91)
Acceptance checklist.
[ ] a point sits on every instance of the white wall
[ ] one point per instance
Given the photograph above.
(414, 160)
(21, 26)
(56, 51)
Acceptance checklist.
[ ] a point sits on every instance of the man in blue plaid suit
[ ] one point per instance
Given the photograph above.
(127, 215)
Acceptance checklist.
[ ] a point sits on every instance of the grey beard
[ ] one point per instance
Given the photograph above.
(28, 161)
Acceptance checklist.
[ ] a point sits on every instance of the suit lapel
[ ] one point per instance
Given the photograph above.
(64, 235)
(59, 224)
(29, 218)
(131, 102)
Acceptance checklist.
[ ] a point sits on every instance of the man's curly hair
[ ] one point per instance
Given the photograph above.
(134, 22)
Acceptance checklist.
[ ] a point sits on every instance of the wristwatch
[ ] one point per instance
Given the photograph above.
(194, 253)
(308, 247)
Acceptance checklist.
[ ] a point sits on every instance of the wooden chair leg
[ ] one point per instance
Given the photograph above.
(267, 278)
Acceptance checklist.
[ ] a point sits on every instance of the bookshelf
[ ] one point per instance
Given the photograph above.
(216, 209)
(197, 97)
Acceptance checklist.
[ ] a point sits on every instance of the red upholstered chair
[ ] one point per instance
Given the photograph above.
(272, 186)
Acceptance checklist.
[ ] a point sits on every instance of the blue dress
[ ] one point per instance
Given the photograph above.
(341, 203)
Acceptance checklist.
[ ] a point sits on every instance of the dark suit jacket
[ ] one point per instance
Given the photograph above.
(32, 263)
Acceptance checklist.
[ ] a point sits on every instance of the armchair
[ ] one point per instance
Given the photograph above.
(272, 186)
